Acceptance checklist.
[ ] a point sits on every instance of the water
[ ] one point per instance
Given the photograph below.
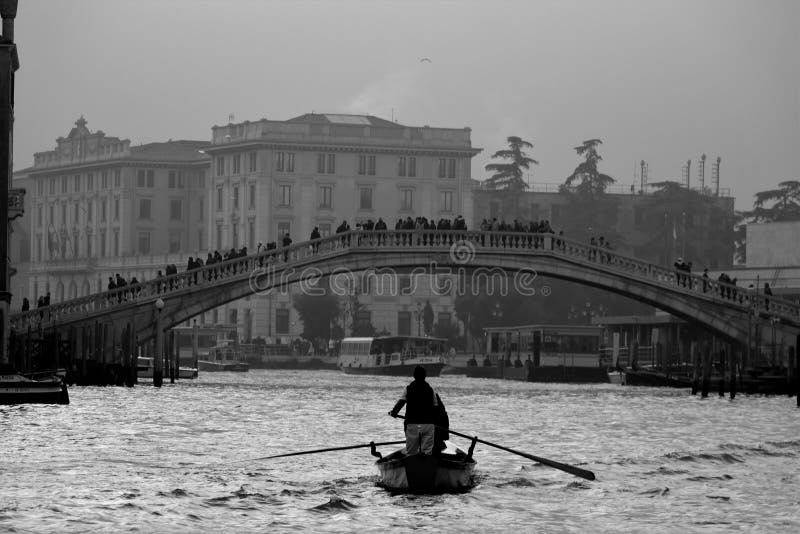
(183, 459)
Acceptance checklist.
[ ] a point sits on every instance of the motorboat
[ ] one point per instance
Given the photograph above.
(18, 388)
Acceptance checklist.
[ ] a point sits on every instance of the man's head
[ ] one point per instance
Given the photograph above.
(419, 373)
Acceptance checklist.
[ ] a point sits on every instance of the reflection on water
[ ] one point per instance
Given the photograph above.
(189, 457)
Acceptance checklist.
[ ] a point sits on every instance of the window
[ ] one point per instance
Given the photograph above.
(117, 178)
(140, 175)
(406, 199)
(63, 184)
(446, 199)
(52, 218)
(200, 209)
(180, 179)
(325, 195)
(76, 213)
(144, 208)
(324, 229)
(447, 168)
(144, 242)
(219, 237)
(233, 316)
(89, 211)
(171, 180)
(75, 244)
(251, 198)
(284, 227)
(282, 321)
(363, 317)
(219, 199)
(63, 214)
(39, 216)
(174, 242)
(251, 234)
(103, 179)
(236, 197)
(326, 163)
(442, 168)
(89, 251)
(150, 178)
(116, 242)
(52, 186)
(403, 323)
(280, 161)
(321, 163)
(220, 166)
(401, 166)
(412, 167)
(331, 169)
(251, 158)
(235, 234)
(236, 163)
(40, 187)
(77, 180)
(290, 162)
(176, 209)
(102, 243)
(116, 208)
(365, 198)
(366, 165)
(39, 248)
(285, 198)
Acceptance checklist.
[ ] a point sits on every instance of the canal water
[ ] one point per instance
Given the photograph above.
(186, 458)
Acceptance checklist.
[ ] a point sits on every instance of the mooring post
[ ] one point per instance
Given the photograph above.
(706, 382)
(171, 356)
(722, 376)
(158, 353)
(734, 364)
(695, 354)
(195, 336)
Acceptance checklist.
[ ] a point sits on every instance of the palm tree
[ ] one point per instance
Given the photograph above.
(590, 180)
(509, 175)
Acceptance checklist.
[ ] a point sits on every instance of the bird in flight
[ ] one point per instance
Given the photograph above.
(423, 60)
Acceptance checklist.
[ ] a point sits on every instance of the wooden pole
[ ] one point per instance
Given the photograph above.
(695, 354)
(195, 340)
(722, 363)
(732, 370)
(706, 382)
(173, 367)
(158, 353)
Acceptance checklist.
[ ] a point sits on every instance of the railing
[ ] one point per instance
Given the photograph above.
(461, 246)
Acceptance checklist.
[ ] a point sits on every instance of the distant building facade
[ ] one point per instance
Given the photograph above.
(272, 178)
(97, 206)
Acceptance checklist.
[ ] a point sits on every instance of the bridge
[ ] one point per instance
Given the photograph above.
(113, 322)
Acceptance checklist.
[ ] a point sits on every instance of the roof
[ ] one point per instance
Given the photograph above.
(185, 151)
(339, 118)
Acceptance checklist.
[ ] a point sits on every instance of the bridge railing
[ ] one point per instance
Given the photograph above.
(460, 244)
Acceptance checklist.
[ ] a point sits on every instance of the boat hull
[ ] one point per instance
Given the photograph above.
(419, 473)
(238, 367)
(15, 389)
(431, 369)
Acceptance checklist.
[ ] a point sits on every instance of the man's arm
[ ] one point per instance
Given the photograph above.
(399, 404)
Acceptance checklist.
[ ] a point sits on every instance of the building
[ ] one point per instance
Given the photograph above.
(272, 178)
(646, 226)
(97, 206)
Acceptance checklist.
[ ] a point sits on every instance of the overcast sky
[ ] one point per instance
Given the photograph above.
(663, 81)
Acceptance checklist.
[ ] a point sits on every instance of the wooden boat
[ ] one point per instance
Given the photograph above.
(16, 388)
(391, 355)
(450, 471)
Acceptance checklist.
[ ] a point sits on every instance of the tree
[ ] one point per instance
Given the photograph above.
(317, 312)
(427, 318)
(589, 179)
(449, 331)
(509, 175)
(777, 205)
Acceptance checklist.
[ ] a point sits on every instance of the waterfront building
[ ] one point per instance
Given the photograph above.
(271, 178)
(97, 206)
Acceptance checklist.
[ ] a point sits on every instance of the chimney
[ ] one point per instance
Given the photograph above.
(8, 10)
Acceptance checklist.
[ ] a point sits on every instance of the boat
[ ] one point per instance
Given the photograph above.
(18, 388)
(144, 369)
(391, 355)
(450, 471)
(223, 357)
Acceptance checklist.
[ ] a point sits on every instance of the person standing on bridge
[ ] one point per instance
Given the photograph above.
(286, 242)
(314, 236)
(422, 414)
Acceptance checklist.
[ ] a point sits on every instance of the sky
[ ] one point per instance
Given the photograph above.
(662, 81)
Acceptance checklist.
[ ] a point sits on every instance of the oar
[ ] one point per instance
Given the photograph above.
(329, 449)
(571, 469)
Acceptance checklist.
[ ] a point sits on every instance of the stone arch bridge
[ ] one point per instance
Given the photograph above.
(105, 324)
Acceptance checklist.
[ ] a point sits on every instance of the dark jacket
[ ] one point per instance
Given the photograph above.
(420, 408)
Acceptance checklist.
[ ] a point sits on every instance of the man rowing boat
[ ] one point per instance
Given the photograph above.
(424, 411)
